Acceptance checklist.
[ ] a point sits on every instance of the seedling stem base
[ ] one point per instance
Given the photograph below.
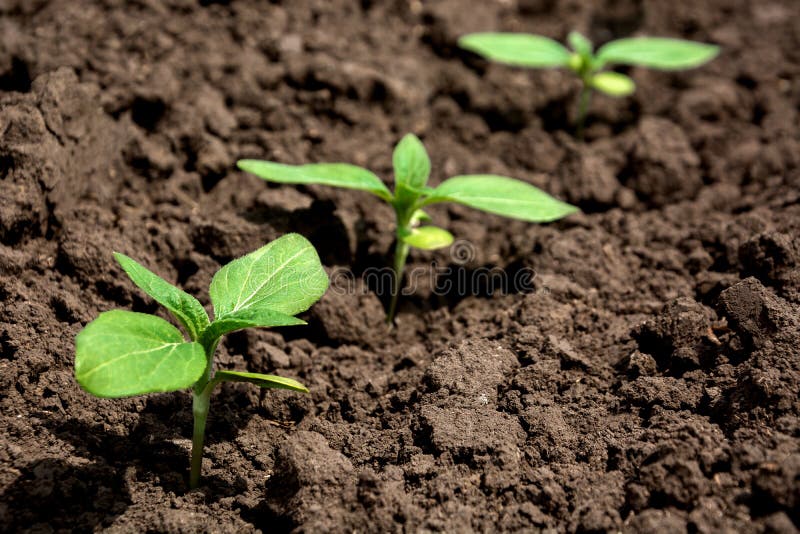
(584, 100)
(400, 256)
(200, 405)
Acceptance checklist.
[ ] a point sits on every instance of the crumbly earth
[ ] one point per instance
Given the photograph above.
(648, 381)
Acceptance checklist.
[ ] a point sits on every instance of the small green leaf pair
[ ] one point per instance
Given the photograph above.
(412, 167)
(535, 51)
(123, 353)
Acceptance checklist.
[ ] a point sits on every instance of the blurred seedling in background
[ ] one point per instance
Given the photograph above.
(412, 166)
(124, 353)
(536, 51)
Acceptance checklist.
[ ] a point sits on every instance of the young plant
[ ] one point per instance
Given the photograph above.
(495, 194)
(124, 353)
(535, 51)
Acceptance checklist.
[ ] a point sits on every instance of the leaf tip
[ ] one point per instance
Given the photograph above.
(471, 42)
(568, 209)
(463, 40)
(245, 164)
(713, 51)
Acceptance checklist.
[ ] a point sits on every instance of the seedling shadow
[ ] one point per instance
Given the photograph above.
(54, 495)
(152, 445)
(454, 282)
(318, 223)
(557, 118)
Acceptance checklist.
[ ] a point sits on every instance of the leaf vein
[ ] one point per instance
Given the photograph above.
(269, 278)
(106, 363)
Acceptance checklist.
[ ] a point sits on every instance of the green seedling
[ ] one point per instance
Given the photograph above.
(535, 51)
(412, 166)
(124, 353)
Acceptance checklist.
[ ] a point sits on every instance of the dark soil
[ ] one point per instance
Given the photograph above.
(649, 382)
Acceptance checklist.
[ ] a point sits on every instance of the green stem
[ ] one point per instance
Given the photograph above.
(583, 107)
(201, 400)
(400, 256)
(200, 405)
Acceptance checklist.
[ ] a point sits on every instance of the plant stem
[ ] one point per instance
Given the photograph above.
(201, 400)
(200, 405)
(583, 107)
(400, 256)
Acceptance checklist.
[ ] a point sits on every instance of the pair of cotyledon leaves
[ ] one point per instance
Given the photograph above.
(123, 353)
(412, 167)
(536, 51)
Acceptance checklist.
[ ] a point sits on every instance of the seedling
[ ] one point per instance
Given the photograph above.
(535, 51)
(124, 353)
(495, 194)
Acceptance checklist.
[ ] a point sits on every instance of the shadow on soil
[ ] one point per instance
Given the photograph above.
(150, 446)
(55, 495)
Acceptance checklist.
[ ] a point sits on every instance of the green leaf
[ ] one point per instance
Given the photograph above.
(186, 309)
(657, 53)
(123, 353)
(520, 49)
(333, 174)
(576, 63)
(264, 381)
(249, 318)
(613, 83)
(283, 276)
(503, 196)
(427, 237)
(580, 44)
(419, 216)
(412, 166)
